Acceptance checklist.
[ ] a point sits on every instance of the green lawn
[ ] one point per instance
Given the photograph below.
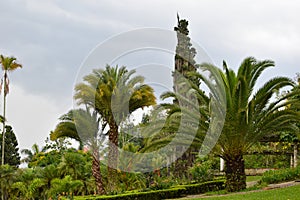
(253, 178)
(275, 194)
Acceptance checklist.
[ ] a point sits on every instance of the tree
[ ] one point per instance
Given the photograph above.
(72, 164)
(11, 150)
(249, 115)
(184, 64)
(114, 94)
(83, 126)
(185, 53)
(65, 186)
(30, 154)
(294, 137)
(7, 177)
(8, 64)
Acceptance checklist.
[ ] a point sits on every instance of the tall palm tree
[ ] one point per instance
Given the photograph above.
(250, 115)
(8, 64)
(83, 126)
(114, 94)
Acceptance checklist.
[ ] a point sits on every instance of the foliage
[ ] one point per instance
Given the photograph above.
(43, 182)
(7, 177)
(281, 175)
(29, 191)
(155, 195)
(202, 170)
(178, 191)
(72, 164)
(267, 161)
(114, 94)
(204, 187)
(30, 153)
(249, 115)
(43, 159)
(269, 155)
(66, 186)
(161, 182)
(84, 126)
(12, 156)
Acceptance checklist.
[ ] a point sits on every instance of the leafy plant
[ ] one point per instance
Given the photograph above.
(202, 170)
(277, 176)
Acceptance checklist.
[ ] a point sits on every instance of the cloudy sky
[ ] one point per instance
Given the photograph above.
(51, 38)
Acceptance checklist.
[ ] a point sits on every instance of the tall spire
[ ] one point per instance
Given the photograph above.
(185, 53)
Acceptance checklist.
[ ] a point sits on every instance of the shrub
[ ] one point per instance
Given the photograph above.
(202, 170)
(153, 195)
(277, 176)
(204, 187)
(175, 192)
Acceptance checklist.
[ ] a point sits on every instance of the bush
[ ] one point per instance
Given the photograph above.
(153, 195)
(277, 176)
(204, 187)
(202, 170)
(175, 192)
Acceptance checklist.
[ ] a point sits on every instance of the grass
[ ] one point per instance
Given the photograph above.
(275, 194)
(253, 178)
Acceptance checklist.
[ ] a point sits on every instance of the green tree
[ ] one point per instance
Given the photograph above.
(250, 115)
(12, 156)
(7, 177)
(184, 64)
(66, 185)
(185, 53)
(8, 64)
(72, 164)
(114, 94)
(30, 154)
(86, 124)
(31, 190)
(294, 137)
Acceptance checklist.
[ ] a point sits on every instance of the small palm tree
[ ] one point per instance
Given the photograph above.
(30, 153)
(83, 126)
(8, 64)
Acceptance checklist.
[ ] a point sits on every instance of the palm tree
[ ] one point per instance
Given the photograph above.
(30, 153)
(114, 94)
(249, 115)
(83, 126)
(8, 64)
(7, 178)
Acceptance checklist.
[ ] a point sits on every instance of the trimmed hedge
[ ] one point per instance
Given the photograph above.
(153, 195)
(176, 192)
(204, 187)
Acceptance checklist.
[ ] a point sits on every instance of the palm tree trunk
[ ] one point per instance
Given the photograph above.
(112, 156)
(235, 173)
(4, 110)
(97, 174)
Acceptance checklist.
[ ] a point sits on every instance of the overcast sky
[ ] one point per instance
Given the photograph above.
(51, 38)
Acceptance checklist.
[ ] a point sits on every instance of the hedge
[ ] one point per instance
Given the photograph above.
(281, 175)
(176, 192)
(204, 187)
